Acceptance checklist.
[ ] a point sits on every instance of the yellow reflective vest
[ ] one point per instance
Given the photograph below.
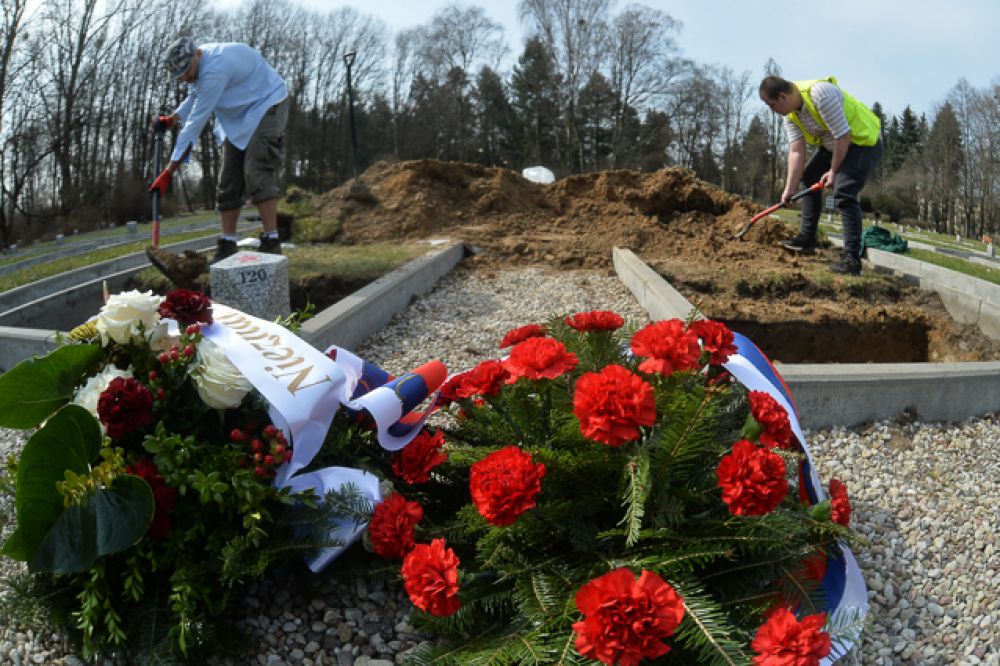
(865, 125)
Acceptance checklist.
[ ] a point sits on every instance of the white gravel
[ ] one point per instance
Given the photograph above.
(926, 496)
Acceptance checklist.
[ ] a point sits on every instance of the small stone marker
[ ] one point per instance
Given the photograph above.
(13, 248)
(59, 239)
(992, 252)
(133, 226)
(253, 282)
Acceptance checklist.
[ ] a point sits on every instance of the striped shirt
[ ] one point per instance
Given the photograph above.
(829, 103)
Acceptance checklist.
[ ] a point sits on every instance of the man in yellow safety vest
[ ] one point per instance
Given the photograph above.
(849, 146)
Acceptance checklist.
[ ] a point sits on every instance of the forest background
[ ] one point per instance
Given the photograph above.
(590, 88)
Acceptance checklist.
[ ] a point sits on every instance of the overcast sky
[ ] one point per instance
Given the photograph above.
(897, 52)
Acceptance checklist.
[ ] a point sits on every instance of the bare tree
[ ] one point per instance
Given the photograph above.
(736, 91)
(575, 33)
(643, 63)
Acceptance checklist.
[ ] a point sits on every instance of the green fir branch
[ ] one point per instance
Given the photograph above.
(634, 493)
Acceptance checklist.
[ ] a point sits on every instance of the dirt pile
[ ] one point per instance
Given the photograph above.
(684, 228)
(573, 222)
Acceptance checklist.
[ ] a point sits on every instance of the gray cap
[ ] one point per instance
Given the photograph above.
(180, 53)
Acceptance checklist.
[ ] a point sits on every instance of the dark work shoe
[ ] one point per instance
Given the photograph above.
(269, 245)
(800, 243)
(847, 266)
(224, 248)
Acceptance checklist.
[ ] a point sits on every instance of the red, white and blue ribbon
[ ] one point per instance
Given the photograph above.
(304, 389)
(843, 583)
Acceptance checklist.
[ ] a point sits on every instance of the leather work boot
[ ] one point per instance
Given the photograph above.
(801, 244)
(269, 245)
(847, 266)
(181, 269)
(224, 248)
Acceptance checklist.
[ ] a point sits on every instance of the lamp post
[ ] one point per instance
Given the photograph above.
(358, 190)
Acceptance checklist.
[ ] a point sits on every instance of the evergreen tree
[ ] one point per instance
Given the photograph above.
(494, 119)
(944, 158)
(595, 117)
(536, 113)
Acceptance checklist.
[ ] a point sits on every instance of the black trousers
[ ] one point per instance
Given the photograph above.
(857, 168)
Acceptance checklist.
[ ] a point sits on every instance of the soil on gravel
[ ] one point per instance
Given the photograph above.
(684, 228)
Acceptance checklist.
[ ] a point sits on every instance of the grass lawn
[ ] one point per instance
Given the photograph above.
(957, 264)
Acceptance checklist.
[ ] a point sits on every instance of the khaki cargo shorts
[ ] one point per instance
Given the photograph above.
(254, 172)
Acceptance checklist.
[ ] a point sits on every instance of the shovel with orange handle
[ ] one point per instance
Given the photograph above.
(816, 187)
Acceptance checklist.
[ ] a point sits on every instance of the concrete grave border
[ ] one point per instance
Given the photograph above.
(849, 393)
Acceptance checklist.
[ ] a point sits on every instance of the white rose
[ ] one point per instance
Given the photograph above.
(87, 395)
(121, 317)
(218, 381)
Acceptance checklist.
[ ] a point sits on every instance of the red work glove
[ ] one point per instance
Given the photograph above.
(163, 122)
(162, 183)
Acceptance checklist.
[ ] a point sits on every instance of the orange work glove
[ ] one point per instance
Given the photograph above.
(162, 183)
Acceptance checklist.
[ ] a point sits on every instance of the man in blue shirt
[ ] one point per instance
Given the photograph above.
(250, 103)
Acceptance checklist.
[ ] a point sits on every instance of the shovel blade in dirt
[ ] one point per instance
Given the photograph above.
(816, 187)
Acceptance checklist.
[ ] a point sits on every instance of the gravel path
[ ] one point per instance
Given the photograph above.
(925, 496)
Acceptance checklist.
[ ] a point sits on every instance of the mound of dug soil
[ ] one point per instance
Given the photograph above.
(681, 226)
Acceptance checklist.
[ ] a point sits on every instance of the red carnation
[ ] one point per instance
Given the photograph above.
(773, 418)
(597, 320)
(716, 339)
(625, 620)
(521, 334)
(430, 576)
(485, 379)
(187, 307)
(164, 497)
(503, 485)
(784, 641)
(539, 358)
(612, 404)
(126, 405)
(752, 479)
(414, 462)
(667, 347)
(391, 526)
(840, 504)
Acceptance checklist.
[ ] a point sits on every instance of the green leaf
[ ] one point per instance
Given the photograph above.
(70, 440)
(56, 539)
(36, 387)
(110, 521)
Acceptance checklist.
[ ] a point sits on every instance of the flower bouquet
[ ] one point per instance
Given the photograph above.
(619, 497)
(158, 476)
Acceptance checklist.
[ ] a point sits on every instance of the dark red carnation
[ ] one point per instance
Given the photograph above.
(612, 404)
(752, 479)
(414, 462)
(539, 358)
(504, 484)
(485, 379)
(126, 405)
(187, 307)
(716, 339)
(596, 320)
(521, 334)
(667, 347)
(840, 504)
(164, 497)
(391, 526)
(773, 418)
(430, 576)
(626, 620)
(785, 641)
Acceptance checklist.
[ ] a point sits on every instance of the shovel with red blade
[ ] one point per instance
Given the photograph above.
(767, 211)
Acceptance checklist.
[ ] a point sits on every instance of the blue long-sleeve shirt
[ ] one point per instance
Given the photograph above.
(236, 83)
